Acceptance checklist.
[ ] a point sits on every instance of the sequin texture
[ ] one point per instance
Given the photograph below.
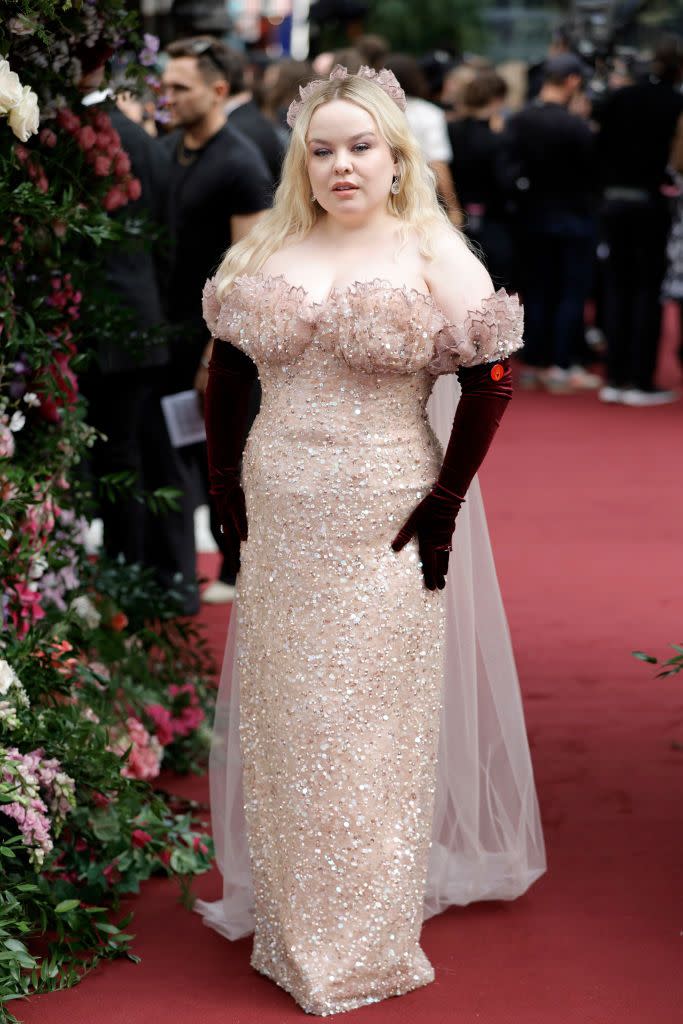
(340, 643)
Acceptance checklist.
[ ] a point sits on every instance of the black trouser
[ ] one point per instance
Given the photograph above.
(117, 406)
(636, 233)
(126, 407)
(558, 271)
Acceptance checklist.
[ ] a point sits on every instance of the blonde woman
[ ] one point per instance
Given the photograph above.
(350, 297)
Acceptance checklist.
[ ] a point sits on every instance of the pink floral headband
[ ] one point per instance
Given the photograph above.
(385, 79)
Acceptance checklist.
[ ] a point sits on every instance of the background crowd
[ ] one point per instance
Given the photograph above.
(565, 179)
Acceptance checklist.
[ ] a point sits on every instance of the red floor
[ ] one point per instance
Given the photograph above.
(585, 505)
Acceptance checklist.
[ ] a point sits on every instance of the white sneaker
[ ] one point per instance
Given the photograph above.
(582, 380)
(611, 395)
(218, 593)
(557, 380)
(642, 399)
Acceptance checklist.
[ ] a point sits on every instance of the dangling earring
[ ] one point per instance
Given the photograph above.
(395, 186)
(312, 198)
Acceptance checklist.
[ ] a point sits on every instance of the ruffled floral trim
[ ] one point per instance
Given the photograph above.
(210, 306)
(492, 332)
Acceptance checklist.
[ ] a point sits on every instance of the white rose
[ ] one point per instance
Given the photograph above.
(86, 611)
(10, 88)
(17, 422)
(25, 117)
(8, 677)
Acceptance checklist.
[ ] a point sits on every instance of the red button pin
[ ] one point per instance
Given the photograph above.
(497, 372)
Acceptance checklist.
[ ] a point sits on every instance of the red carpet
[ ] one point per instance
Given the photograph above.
(585, 507)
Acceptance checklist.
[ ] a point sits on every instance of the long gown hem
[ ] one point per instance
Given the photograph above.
(408, 978)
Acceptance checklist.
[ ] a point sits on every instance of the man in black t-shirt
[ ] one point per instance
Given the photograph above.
(219, 187)
(549, 154)
(638, 125)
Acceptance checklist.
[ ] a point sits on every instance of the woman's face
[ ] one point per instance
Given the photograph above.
(350, 166)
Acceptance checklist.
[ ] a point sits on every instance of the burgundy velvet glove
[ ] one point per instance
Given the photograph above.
(226, 409)
(486, 390)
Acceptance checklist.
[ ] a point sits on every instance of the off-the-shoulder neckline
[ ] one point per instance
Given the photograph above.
(374, 284)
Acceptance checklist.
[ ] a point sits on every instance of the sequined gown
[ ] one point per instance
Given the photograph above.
(340, 643)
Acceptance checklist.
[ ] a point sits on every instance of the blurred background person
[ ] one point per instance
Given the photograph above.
(373, 50)
(640, 124)
(550, 156)
(476, 166)
(281, 83)
(122, 383)
(428, 123)
(219, 187)
(244, 114)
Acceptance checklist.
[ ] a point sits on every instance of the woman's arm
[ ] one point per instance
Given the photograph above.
(486, 390)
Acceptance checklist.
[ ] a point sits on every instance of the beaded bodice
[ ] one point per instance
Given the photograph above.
(370, 326)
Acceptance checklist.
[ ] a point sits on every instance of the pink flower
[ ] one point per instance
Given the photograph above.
(48, 138)
(140, 838)
(86, 137)
(68, 120)
(134, 189)
(101, 121)
(42, 183)
(112, 873)
(122, 164)
(22, 153)
(114, 198)
(102, 166)
(144, 757)
(27, 610)
(163, 723)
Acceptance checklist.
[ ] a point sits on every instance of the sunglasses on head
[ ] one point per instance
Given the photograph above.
(204, 48)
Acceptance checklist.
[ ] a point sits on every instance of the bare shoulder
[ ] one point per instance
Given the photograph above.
(280, 261)
(456, 278)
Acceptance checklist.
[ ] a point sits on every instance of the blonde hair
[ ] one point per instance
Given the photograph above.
(293, 214)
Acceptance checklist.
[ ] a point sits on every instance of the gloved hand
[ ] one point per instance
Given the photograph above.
(486, 390)
(226, 409)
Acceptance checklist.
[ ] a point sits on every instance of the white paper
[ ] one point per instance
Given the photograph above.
(184, 420)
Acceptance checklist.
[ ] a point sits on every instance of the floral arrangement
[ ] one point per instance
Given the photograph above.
(102, 688)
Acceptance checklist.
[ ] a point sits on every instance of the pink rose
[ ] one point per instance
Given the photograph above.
(102, 166)
(67, 120)
(114, 199)
(134, 189)
(101, 121)
(42, 183)
(122, 164)
(48, 138)
(86, 137)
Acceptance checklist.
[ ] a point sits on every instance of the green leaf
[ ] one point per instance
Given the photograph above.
(66, 905)
(642, 656)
